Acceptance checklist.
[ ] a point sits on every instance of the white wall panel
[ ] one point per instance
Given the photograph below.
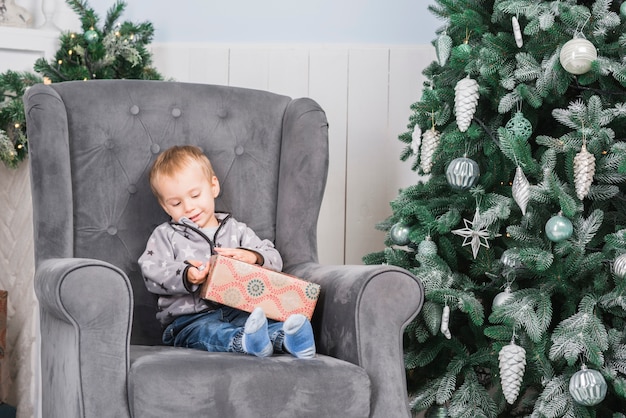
(289, 71)
(249, 67)
(209, 65)
(328, 85)
(366, 179)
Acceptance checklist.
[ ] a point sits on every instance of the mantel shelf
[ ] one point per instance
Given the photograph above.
(27, 39)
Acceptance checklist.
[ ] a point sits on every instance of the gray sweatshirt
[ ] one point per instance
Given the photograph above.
(171, 244)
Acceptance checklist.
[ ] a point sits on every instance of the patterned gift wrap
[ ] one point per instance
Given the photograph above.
(245, 286)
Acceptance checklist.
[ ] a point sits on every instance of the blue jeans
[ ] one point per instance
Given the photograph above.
(218, 330)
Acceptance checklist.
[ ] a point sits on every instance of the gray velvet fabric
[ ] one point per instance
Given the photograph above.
(91, 145)
(169, 382)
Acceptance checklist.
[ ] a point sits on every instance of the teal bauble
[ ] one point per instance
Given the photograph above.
(587, 387)
(519, 127)
(399, 234)
(559, 228)
(91, 36)
(622, 10)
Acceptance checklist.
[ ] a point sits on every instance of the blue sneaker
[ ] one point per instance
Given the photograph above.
(299, 340)
(256, 338)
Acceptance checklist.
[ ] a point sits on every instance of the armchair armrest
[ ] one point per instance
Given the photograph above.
(360, 318)
(86, 314)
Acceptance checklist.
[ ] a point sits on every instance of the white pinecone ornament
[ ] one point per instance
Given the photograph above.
(584, 170)
(512, 364)
(416, 137)
(443, 47)
(465, 102)
(430, 142)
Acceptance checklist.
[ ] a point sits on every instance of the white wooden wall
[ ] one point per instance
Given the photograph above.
(366, 91)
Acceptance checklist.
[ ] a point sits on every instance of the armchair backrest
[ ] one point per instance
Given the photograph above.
(91, 145)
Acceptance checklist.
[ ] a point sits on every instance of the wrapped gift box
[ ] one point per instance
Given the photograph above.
(245, 286)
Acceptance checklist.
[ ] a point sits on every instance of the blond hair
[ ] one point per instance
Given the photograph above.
(174, 159)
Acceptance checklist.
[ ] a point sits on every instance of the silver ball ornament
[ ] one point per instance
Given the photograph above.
(619, 265)
(462, 173)
(577, 55)
(437, 411)
(399, 234)
(510, 259)
(502, 298)
(587, 387)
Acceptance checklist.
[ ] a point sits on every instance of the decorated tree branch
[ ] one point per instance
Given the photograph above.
(109, 50)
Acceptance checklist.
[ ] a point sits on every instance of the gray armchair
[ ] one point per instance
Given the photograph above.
(91, 145)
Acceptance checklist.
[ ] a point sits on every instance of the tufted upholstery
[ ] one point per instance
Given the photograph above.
(91, 146)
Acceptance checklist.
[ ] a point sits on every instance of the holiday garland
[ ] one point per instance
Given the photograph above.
(107, 51)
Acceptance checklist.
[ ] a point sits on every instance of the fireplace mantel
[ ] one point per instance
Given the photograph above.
(20, 47)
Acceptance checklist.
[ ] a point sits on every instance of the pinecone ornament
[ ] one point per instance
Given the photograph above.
(443, 47)
(512, 364)
(584, 170)
(465, 102)
(430, 142)
(416, 137)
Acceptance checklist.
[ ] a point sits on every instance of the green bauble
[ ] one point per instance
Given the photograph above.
(622, 10)
(587, 387)
(399, 234)
(559, 228)
(91, 36)
(519, 127)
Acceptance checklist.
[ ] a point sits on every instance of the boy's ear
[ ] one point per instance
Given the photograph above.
(215, 186)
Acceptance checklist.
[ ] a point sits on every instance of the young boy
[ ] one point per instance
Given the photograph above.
(175, 262)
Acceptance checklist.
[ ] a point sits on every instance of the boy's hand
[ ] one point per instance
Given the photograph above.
(197, 273)
(239, 254)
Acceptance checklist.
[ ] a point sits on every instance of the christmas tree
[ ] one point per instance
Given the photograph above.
(112, 50)
(517, 222)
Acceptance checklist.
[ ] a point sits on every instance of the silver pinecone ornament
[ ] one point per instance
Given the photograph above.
(430, 142)
(512, 364)
(521, 189)
(584, 170)
(465, 102)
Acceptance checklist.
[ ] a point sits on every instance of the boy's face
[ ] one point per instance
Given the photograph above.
(189, 194)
